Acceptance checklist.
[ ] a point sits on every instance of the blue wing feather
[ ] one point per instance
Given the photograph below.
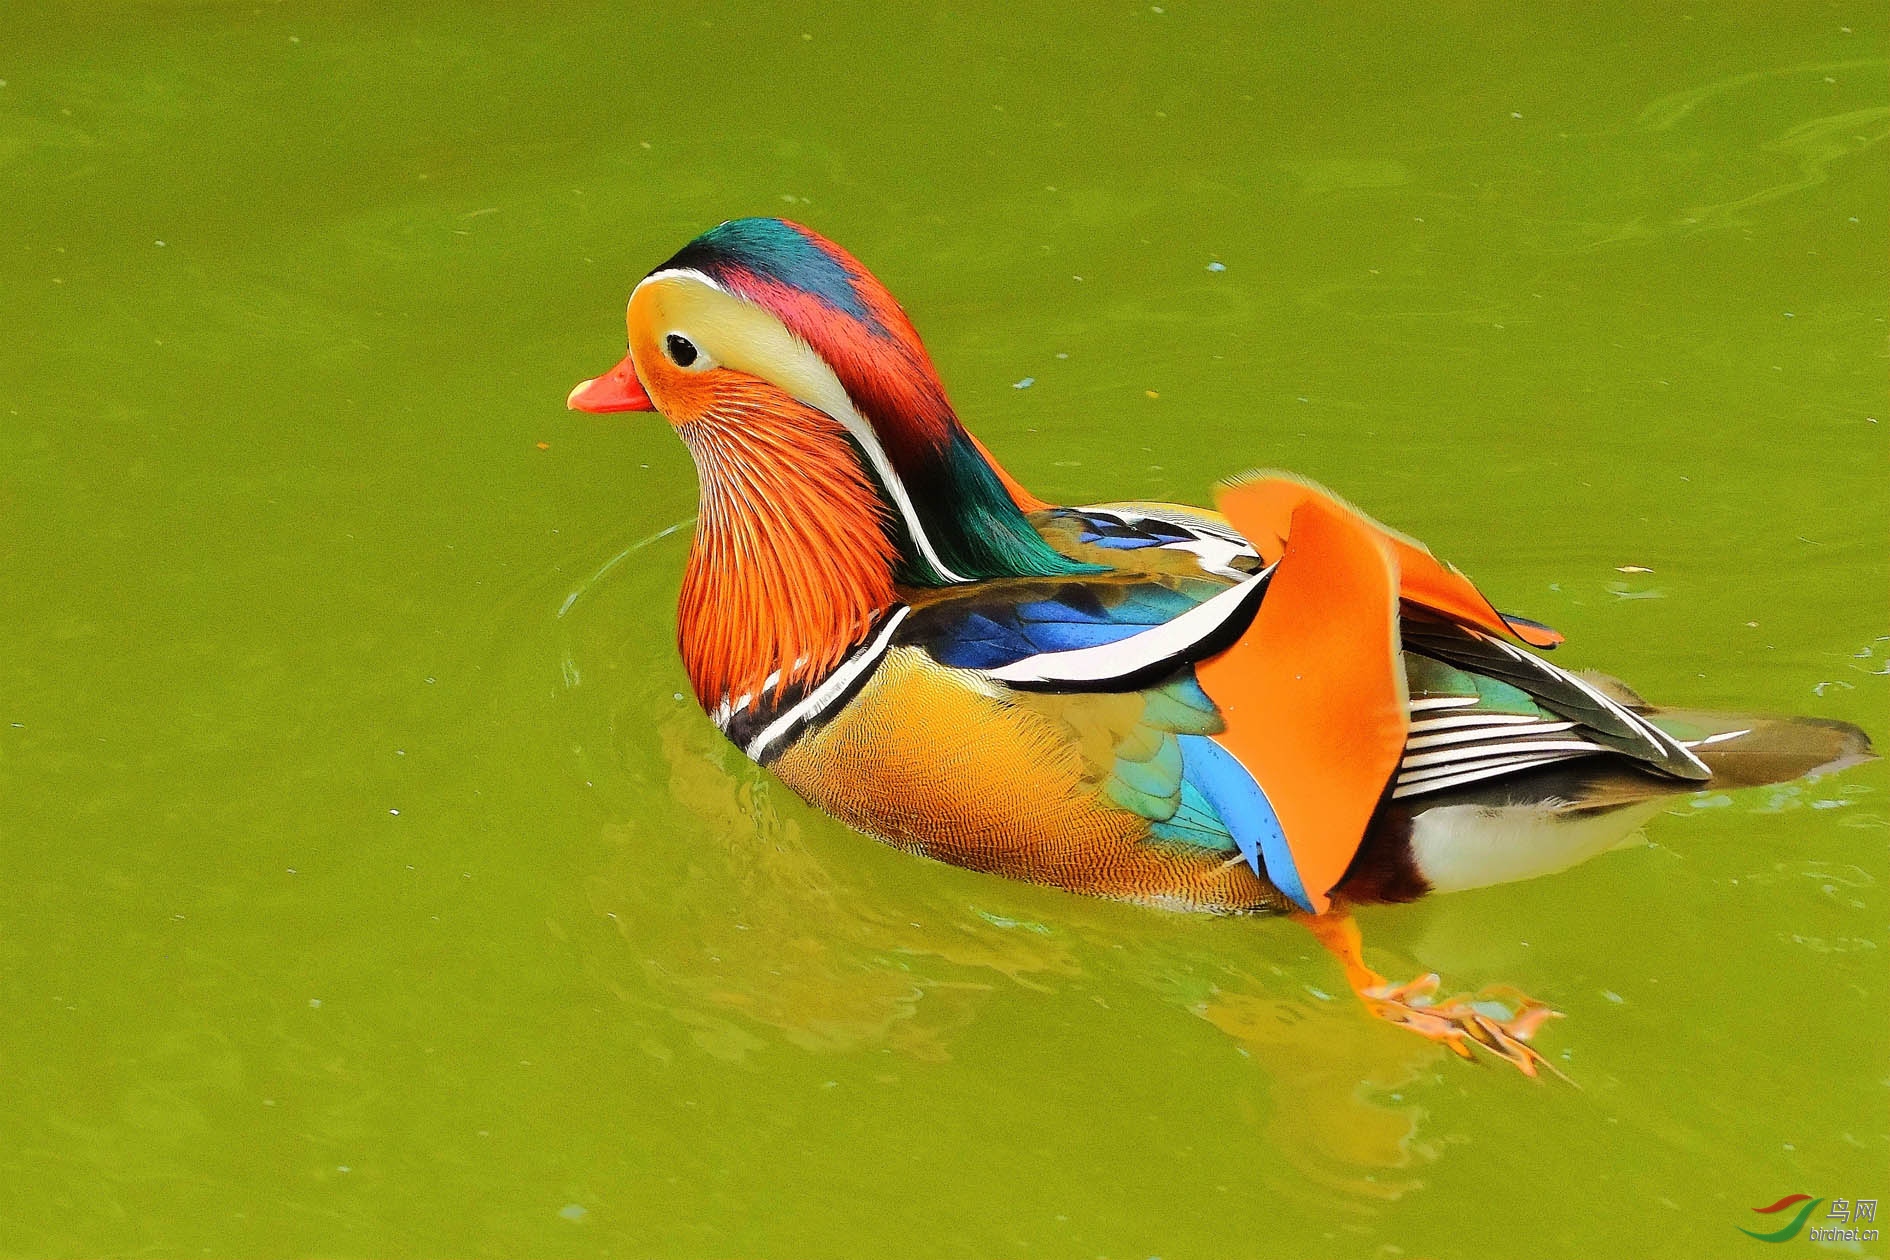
(1242, 806)
(975, 633)
(1167, 769)
(1104, 529)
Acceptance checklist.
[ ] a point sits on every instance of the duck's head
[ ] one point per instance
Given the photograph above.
(758, 321)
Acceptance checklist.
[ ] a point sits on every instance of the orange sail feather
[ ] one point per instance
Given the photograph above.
(1313, 694)
(1262, 508)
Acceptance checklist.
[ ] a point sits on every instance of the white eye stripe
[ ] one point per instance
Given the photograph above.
(679, 273)
(777, 355)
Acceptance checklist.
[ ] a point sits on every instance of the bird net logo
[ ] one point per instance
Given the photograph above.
(1851, 1217)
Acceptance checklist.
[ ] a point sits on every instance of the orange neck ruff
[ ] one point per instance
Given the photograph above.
(791, 562)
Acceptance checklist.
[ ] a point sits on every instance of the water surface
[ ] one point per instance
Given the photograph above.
(367, 887)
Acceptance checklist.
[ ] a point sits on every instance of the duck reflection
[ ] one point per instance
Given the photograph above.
(765, 939)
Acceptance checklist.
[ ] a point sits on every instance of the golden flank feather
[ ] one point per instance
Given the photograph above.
(934, 762)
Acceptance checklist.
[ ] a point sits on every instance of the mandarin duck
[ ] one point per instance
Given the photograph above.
(1281, 706)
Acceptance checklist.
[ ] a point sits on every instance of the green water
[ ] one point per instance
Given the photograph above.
(367, 888)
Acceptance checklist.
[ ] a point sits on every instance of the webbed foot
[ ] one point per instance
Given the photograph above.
(1501, 1019)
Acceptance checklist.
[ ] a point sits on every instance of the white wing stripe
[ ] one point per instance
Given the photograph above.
(1106, 661)
(1640, 726)
(1472, 719)
(1471, 735)
(1455, 755)
(1720, 738)
(1448, 769)
(1180, 520)
(1471, 776)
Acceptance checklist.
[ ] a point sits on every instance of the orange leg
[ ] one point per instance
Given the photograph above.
(1454, 1021)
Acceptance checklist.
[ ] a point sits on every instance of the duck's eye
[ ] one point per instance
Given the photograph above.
(682, 351)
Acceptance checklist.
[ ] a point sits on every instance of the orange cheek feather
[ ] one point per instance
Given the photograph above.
(682, 397)
(791, 562)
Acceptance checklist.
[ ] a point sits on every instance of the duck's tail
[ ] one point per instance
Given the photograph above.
(1549, 819)
(1744, 750)
(1747, 751)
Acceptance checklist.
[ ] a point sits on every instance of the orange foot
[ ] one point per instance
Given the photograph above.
(1454, 1021)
